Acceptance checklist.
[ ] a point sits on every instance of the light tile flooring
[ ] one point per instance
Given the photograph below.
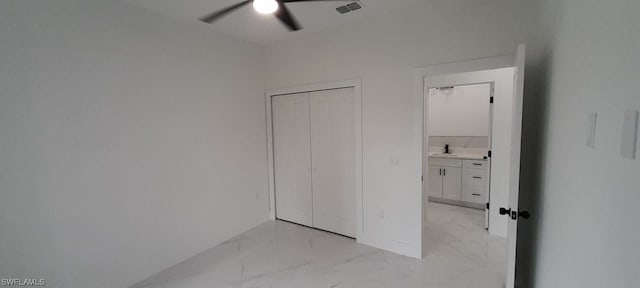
(458, 253)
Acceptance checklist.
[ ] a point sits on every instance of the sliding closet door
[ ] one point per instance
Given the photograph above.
(292, 158)
(333, 159)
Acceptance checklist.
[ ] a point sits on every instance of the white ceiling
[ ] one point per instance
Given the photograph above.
(265, 29)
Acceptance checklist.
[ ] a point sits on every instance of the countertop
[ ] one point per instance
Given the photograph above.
(461, 156)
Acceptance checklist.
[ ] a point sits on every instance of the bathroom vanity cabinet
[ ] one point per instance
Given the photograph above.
(458, 181)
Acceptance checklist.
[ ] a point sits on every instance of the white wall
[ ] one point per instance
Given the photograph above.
(129, 142)
(500, 132)
(585, 222)
(383, 52)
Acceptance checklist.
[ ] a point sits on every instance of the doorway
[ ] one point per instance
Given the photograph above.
(459, 145)
(457, 228)
(457, 155)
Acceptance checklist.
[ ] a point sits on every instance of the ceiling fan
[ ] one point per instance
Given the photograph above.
(276, 7)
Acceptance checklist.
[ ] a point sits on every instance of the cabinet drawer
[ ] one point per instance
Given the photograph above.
(475, 186)
(474, 164)
(435, 161)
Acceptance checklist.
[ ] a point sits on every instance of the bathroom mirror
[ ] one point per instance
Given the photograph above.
(460, 111)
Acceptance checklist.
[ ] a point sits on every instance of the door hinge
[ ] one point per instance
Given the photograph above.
(487, 205)
(491, 100)
(422, 178)
(489, 153)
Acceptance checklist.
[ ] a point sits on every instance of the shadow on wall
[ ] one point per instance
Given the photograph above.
(534, 134)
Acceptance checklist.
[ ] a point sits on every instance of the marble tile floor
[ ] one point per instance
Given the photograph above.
(458, 253)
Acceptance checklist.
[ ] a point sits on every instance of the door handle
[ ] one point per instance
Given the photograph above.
(511, 214)
(524, 214)
(514, 215)
(440, 171)
(444, 171)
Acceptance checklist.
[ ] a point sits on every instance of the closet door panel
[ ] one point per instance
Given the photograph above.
(333, 160)
(292, 158)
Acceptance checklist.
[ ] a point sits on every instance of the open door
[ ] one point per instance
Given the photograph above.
(487, 212)
(514, 172)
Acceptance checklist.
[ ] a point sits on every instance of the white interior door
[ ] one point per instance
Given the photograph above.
(333, 160)
(292, 158)
(487, 212)
(514, 174)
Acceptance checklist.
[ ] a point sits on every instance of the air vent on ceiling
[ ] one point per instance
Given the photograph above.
(343, 9)
(349, 7)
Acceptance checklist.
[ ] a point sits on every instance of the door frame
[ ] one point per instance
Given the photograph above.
(514, 61)
(356, 84)
(420, 78)
(492, 87)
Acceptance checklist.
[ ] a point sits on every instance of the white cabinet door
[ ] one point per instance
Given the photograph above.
(452, 183)
(434, 181)
(333, 160)
(292, 158)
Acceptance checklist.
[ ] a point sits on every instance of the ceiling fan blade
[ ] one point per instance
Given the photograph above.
(286, 17)
(290, 1)
(216, 15)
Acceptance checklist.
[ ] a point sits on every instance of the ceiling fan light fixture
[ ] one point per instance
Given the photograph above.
(265, 6)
